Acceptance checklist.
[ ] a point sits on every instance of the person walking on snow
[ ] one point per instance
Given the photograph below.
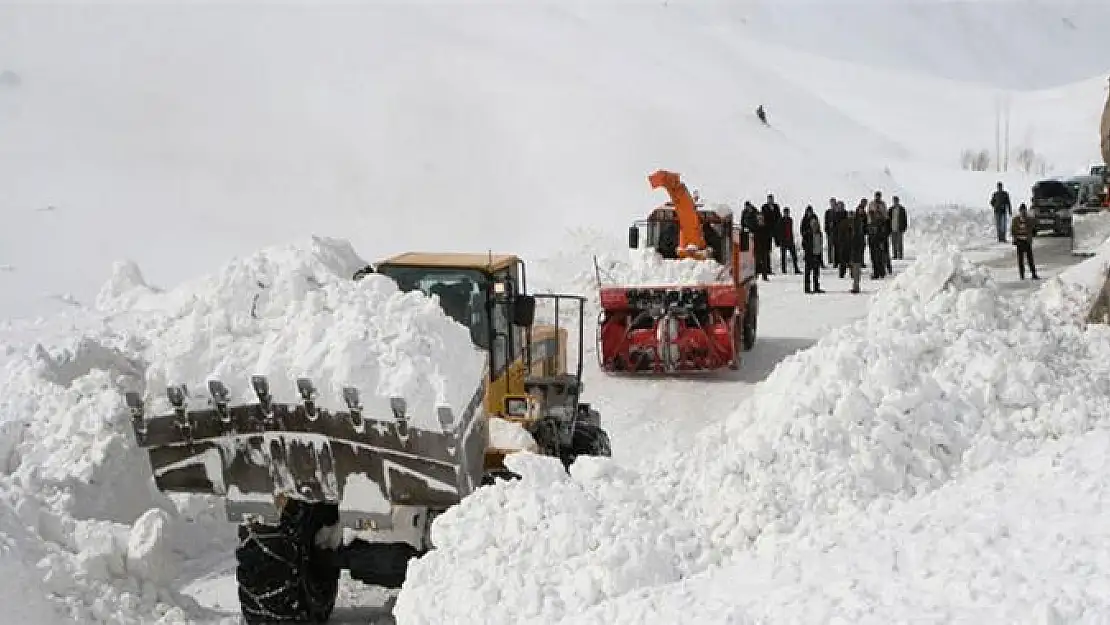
(786, 239)
(812, 246)
(1023, 229)
(1000, 202)
(898, 226)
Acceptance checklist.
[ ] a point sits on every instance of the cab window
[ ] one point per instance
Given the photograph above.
(462, 294)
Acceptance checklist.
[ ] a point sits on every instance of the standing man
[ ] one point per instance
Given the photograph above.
(752, 221)
(898, 226)
(768, 232)
(1023, 230)
(876, 235)
(850, 241)
(1000, 202)
(786, 238)
(811, 250)
(832, 216)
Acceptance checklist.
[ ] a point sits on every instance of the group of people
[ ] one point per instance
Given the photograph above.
(846, 236)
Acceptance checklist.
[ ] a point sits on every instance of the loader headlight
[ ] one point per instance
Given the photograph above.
(499, 288)
(516, 406)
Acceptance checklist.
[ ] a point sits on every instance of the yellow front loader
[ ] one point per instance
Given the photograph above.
(317, 491)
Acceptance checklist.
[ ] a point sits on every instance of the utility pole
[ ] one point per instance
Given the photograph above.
(998, 140)
(1006, 144)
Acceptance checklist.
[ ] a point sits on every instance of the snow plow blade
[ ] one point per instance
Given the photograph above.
(669, 329)
(257, 455)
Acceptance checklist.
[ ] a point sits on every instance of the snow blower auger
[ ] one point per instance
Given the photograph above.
(315, 491)
(682, 328)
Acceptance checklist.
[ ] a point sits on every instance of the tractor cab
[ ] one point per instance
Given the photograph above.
(529, 379)
(661, 230)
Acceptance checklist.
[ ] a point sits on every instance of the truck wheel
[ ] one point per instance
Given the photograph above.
(751, 320)
(283, 574)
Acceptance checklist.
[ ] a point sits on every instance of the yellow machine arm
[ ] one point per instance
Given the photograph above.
(691, 243)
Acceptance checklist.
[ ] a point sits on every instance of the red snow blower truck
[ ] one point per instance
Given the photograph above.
(660, 329)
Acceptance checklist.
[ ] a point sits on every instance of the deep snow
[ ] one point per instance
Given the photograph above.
(945, 377)
(75, 486)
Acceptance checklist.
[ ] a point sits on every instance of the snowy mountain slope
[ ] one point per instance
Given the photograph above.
(1013, 44)
(198, 131)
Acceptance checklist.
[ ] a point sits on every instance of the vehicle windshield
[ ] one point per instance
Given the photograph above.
(462, 294)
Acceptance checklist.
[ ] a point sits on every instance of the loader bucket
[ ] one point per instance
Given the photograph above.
(669, 329)
(255, 455)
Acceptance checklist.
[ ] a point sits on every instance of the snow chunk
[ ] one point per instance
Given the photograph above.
(1091, 231)
(149, 555)
(510, 435)
(124, 289)
(647, 268)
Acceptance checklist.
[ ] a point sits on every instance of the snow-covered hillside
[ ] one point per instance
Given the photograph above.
(187, 189)
(177, 136)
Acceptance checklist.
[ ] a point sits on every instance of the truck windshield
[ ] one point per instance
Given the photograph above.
(462, 294)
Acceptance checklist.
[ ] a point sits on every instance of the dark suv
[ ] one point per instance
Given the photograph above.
(1053, 201)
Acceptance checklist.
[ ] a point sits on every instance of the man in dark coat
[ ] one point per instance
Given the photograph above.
(786, 239)
(876, 236)
(1023, 229)
(752, 220)
(898, 225)
(771, 214)
(1000, 202)
(811, 250)
(832, 218)
(851, 239)
(766, 235)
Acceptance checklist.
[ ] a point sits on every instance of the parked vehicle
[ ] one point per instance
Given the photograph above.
(1052, 205)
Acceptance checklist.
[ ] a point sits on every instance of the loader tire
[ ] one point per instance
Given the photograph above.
(283, 575)
(589, 440)
(751, 320)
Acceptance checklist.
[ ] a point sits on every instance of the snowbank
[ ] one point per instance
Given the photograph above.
(948, 227)
(549, 546)
(1022, 541)
(1091, 231)
(945, 376)
(103, 542)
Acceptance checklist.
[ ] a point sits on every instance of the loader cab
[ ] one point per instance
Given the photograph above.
(483, 292)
